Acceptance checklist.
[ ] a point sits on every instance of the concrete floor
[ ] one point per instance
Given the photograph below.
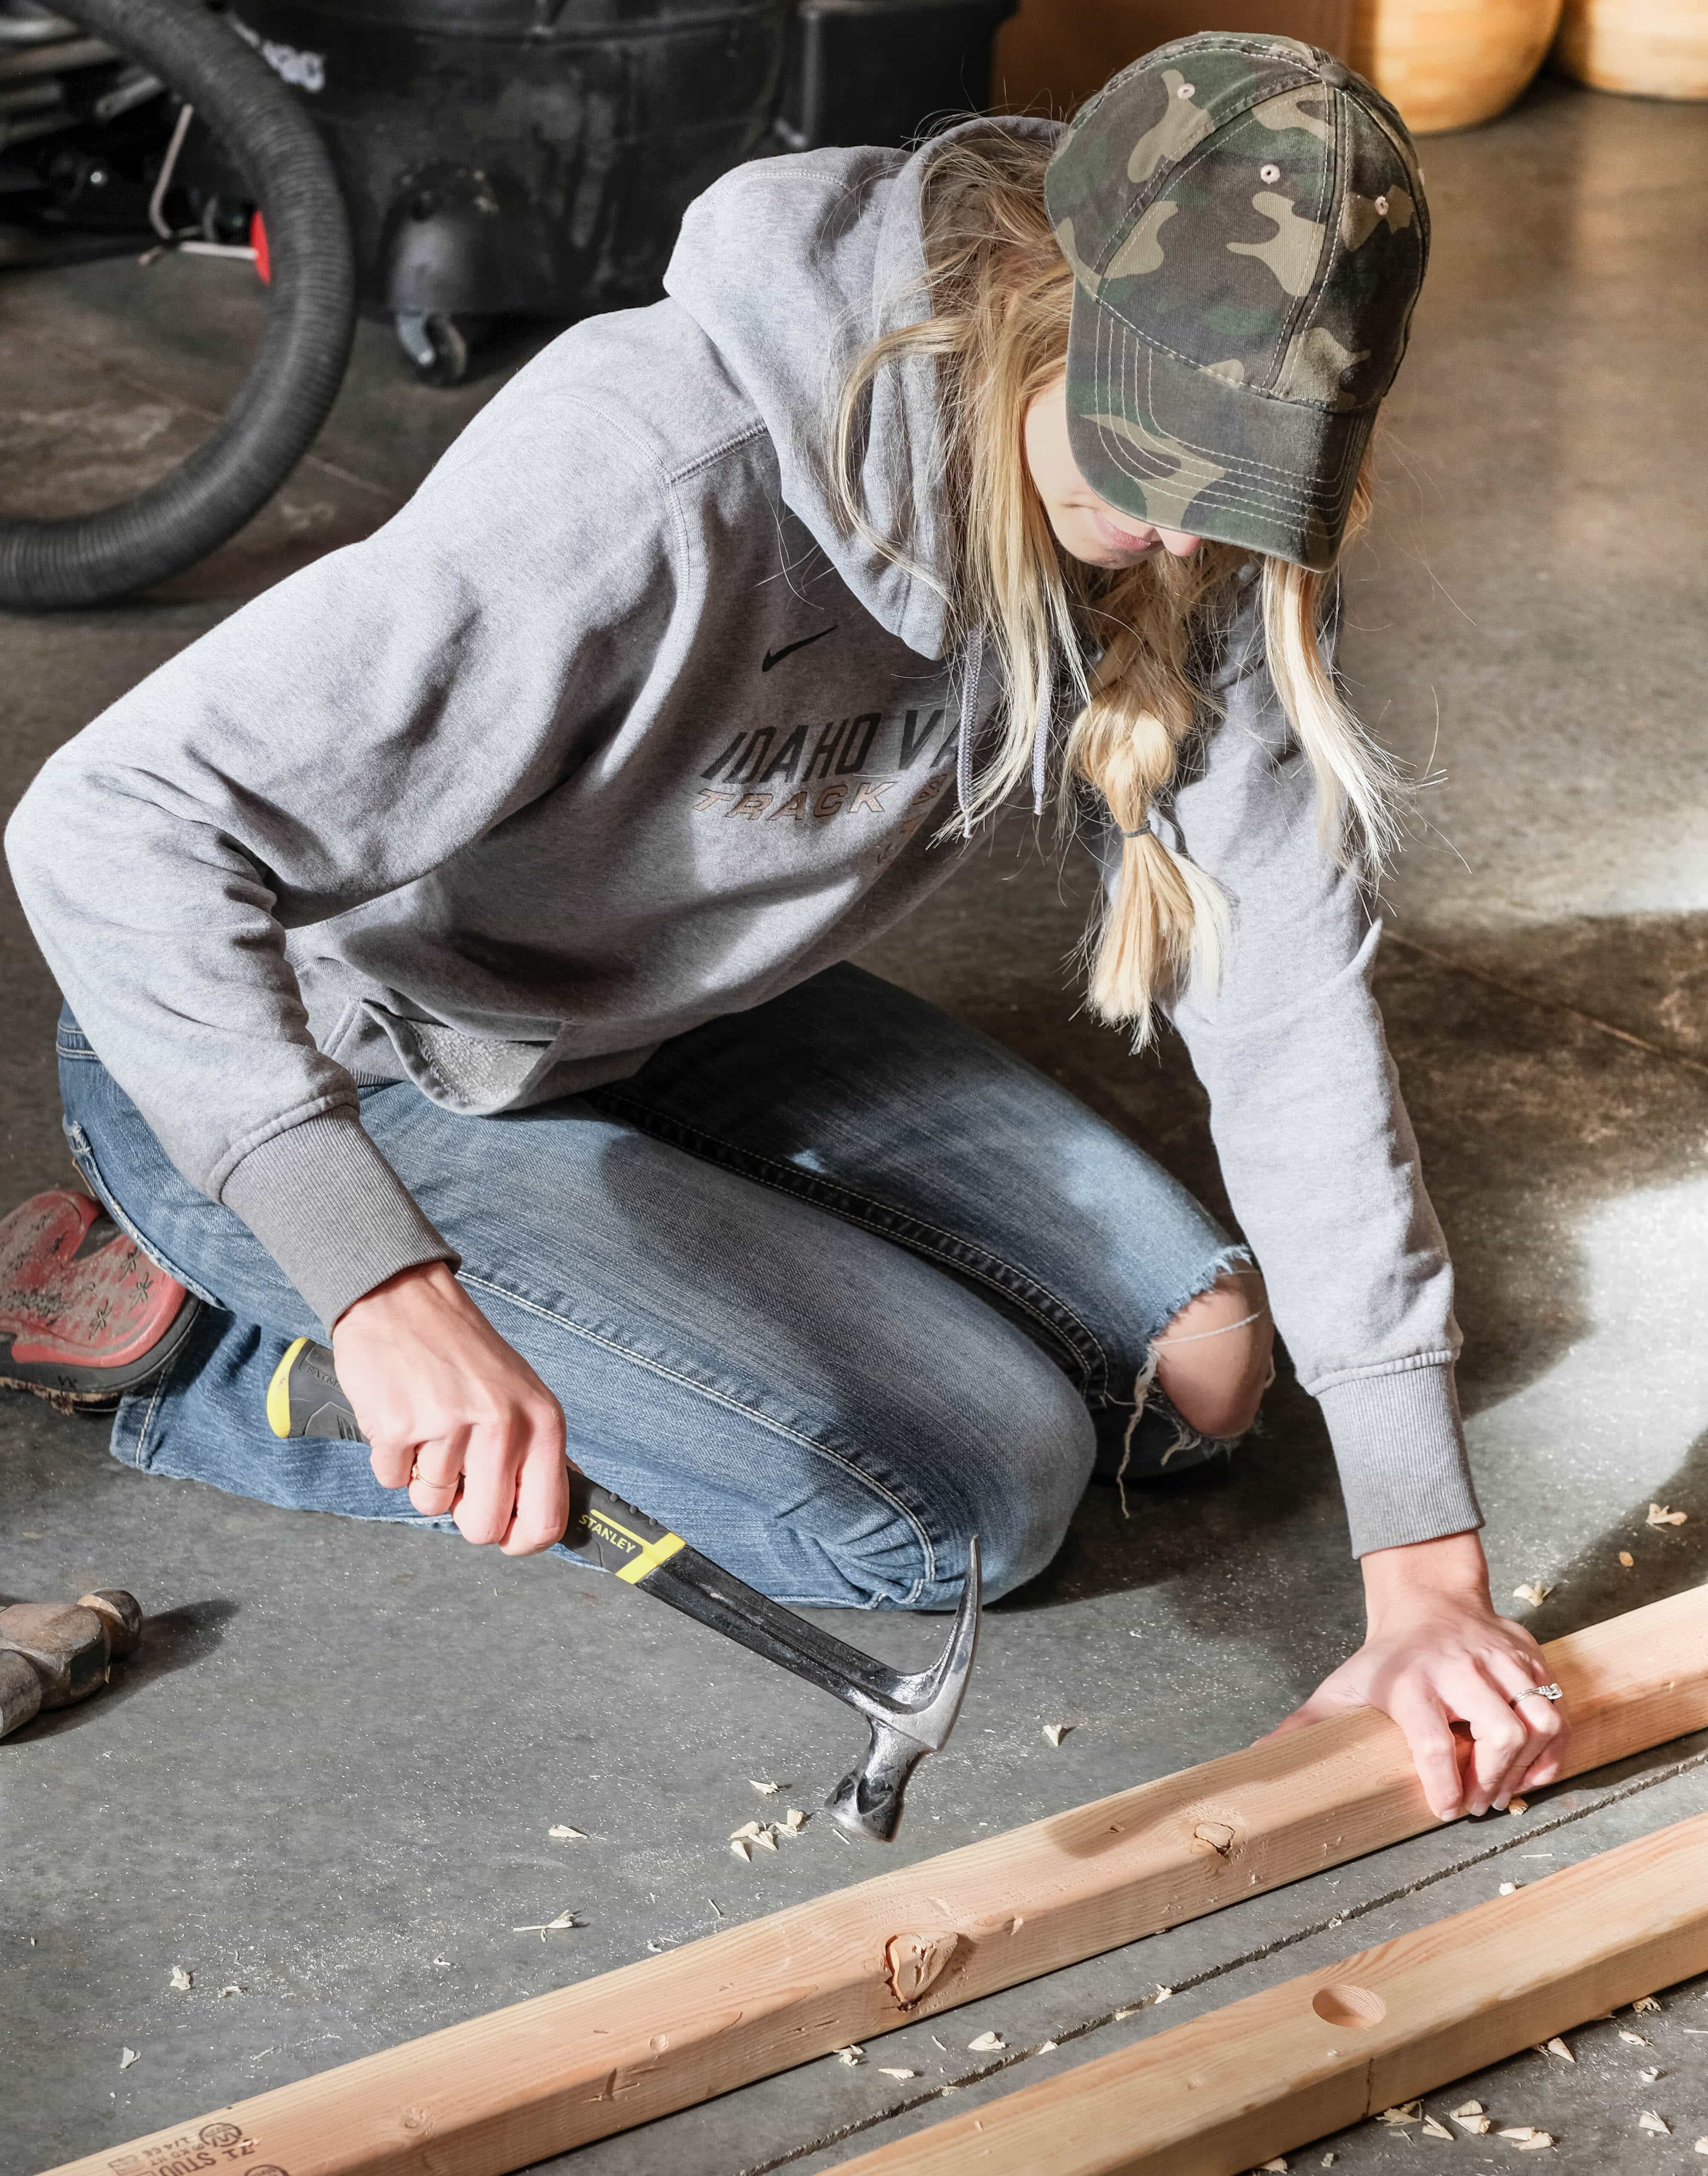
(326, 1782)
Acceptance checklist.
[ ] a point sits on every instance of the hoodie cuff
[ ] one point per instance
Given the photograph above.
(1400, 1446)
(331, 1212)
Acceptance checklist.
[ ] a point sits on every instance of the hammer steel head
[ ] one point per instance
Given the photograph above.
(915, 1720)
(54, 1653)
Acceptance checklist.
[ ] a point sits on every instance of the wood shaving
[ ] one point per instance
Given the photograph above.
(1509, 1889)
(225, 1991)
(1406, 2112)
(1659, 1515)
(1527, 2136)
(1538, 2142)
(766, 1840)
(1632, 2039)
(561, 1832)
(1162, 1992)
(898, 2073)
(850, 2054)
(1534, 1591)
(1518, 1805)
(1558, 2047)
(1329, 2160)
(1648, 2121)
(127, 2056)
(741, 1848)
(1046, 2048)
(748, 1828)
(1479, 2126)
(1701, 2145)
(794, 1821)
(987, 2043)
(1467, 2107)
(1278, 2163)
(1648, 2076)
(1433, 2129)
(1646, 2002)
(1055, 1731)
(1132, 2009)
(1626, 1559)
(181, 1979)
(565, 1918)
(764, 1790)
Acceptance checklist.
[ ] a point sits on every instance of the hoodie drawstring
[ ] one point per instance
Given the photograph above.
(972, 665)
(1040, 738)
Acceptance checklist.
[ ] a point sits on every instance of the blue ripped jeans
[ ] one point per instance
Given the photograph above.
(830, 1286)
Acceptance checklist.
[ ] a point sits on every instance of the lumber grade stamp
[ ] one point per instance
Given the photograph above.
(493, 2094)
(1226, 2090)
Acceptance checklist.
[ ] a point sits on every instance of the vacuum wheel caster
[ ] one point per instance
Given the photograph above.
(436, 346)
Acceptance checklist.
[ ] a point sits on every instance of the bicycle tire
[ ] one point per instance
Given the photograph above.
(94, 558)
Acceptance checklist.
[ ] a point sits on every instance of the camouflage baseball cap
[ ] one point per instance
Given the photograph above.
(1246, 223)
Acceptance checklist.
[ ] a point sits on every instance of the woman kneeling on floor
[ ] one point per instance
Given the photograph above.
(455, 941)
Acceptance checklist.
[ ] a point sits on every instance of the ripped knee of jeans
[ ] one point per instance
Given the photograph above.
(1203, 1379)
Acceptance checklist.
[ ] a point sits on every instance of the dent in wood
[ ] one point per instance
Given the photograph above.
(1348, 2006)
(1214, 1832)
(914, 1963)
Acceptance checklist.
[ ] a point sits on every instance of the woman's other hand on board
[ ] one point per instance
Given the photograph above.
(1453, 1674)
(452, 1413)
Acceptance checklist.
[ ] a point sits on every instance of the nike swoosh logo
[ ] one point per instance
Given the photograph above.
(776, 656)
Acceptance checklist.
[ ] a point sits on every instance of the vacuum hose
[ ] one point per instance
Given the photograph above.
(87, 559)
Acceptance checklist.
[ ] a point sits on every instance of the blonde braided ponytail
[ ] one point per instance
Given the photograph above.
(1000, 294)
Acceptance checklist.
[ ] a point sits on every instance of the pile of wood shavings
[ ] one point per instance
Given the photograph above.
(763, 1834)
(1469, 2116)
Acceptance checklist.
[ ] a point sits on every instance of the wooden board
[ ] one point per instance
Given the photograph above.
(1239, 2085)
(493, 2094)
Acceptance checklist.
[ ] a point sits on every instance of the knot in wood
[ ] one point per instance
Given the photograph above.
(914, 1963)
(1217, 1837)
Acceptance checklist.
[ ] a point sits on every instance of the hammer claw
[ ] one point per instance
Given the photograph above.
(868, 1801)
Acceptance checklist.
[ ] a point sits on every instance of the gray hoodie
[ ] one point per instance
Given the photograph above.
(609, 731)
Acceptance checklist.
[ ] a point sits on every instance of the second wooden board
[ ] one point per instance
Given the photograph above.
(1227, 2090)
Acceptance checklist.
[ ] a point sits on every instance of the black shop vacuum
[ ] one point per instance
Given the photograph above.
(535, 157)
(441, 164)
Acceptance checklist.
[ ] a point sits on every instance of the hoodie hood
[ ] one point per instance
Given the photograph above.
(792, 266)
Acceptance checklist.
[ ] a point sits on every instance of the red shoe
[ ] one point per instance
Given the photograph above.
(85, 1314)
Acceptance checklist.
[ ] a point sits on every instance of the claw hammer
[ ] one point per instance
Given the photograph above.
(909, 1714)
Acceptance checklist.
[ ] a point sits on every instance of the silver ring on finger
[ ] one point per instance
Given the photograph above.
(1549, 1692)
